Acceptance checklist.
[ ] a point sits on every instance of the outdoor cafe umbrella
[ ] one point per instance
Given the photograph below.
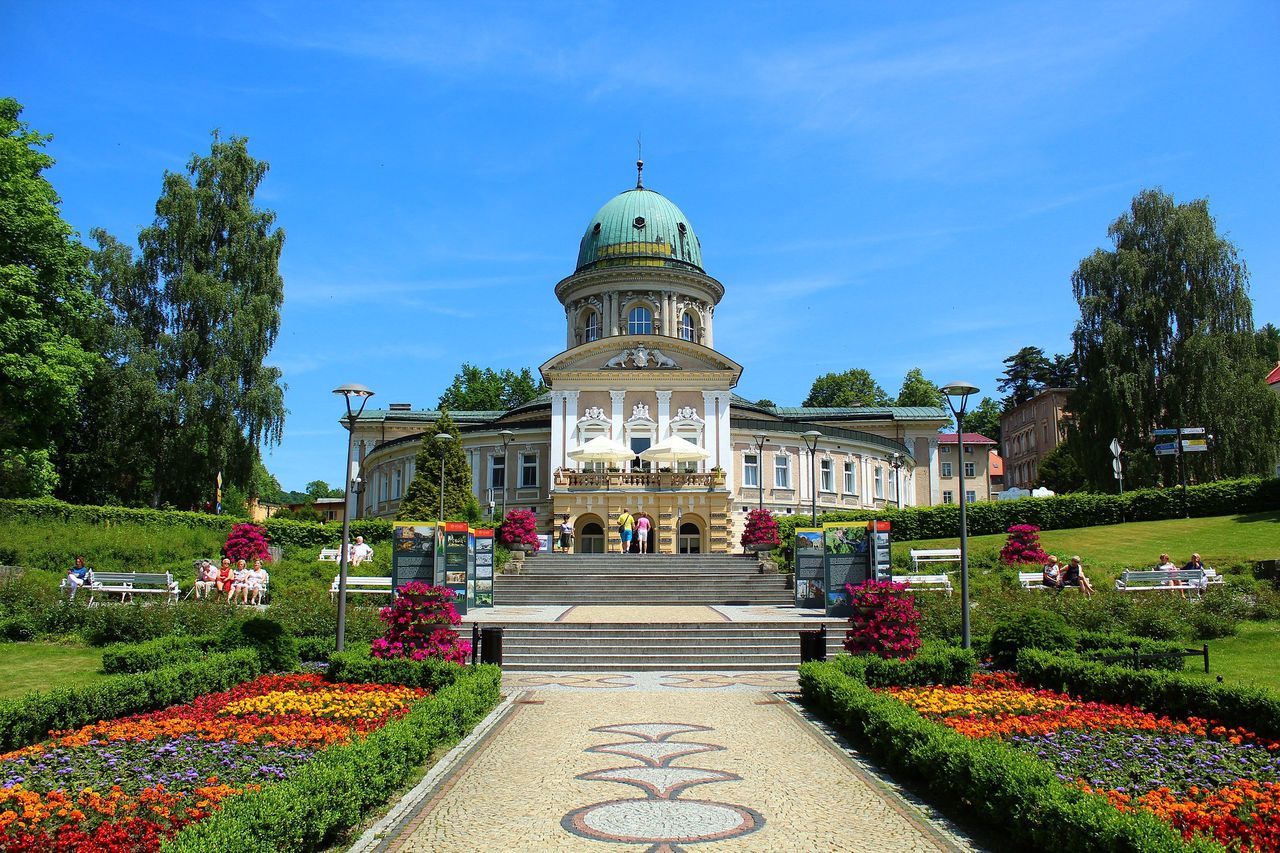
(602, 448)
(673, 448)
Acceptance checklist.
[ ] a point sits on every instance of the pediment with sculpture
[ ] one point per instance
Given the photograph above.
(628, 353)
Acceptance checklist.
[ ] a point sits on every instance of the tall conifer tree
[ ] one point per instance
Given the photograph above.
(422, 499)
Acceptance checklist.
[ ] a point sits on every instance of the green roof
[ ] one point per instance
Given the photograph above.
(897, 413)
(639, 228)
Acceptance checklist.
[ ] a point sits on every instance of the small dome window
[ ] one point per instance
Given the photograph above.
(638, 223)
(681, 228)
(596, 229)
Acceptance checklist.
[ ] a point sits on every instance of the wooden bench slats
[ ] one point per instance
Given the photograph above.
(933, 555)
(329, 555)
(362, 584)
(127, 584)
(926, 582)
(1182, 580)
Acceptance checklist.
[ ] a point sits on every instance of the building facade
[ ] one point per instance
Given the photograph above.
(1029, 432)
(975, 462)
(640, 366)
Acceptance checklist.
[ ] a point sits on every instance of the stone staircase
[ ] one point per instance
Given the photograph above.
(550, 579)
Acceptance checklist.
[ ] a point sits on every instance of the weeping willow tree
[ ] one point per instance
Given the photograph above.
(1165, 339)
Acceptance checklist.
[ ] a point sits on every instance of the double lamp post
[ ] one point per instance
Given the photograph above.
(962, 390)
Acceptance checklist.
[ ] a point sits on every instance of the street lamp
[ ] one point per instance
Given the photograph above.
(361, 393)
(444, 438)
(811, 441)
(895, 462)
(760, 439)
(963, 390)
(507, 435)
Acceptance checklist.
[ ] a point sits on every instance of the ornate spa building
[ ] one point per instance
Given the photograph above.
(640, 366)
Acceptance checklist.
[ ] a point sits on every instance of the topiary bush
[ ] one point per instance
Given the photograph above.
(1031, 629)
(1023, 546)
(276, 647)
(883, 622)
(420, 624)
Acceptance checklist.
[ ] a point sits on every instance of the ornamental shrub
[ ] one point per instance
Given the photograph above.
(883, 622)
(1023, 546)
(520, 527)
(761, 529)
(247, 542)
(420, 625)
(1030, 629)
(275, 646)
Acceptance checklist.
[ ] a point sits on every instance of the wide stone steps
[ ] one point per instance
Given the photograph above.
(640, 579)
(574, 564)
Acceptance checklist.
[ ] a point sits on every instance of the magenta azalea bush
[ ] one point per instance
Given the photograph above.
(247, 542)
(761, 529)
(420, 624)
(1023, 546)
(520, 527)
(883, 622)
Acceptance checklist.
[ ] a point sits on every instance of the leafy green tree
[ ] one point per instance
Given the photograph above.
(766, 403)
(321, 489)
(1024, 375)
(476, 389)
(1061, 372)
(1269, 344)
(854, 387)
(1165, 339)
(918, 391)
(984, 418)
(46, 313)
(422, 499)
(1060, 471)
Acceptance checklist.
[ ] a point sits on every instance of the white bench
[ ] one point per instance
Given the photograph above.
(933, 555)
(127, 584)
(926, 582)
(1212, 578)
(1035, 580)
(329, 555)
(357, 584)
(1182, 580)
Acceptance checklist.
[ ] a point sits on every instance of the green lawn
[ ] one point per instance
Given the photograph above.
(40, 666)
(1221, 541)
(1247, 658)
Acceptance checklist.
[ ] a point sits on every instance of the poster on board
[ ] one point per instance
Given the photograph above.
(457, 550)
(810, 568)
(878, 554)
(483, 539)
(413, 553)
(845, 550)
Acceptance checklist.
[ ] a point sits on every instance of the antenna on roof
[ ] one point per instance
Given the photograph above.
(639, 164)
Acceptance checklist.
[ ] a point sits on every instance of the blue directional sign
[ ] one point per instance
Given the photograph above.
(1170, 449)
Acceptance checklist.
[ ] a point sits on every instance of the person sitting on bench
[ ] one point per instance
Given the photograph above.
(1167, 565)
(1074, 576)
(359, 553)
(77, 576)
(257, 581)
(207, 580)
(1052, 574)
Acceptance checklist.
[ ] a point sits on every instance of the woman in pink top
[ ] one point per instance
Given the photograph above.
(642, 534)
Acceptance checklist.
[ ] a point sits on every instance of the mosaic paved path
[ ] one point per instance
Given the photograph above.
(657, 770)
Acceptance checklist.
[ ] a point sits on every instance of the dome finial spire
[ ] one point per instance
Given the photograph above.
(639, 165)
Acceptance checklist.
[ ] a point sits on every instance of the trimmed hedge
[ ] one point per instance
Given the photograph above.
(935, 663)
(359, 667)
(1168, 693)
(1224, 497)
(29, 719)
(1093, 644)
(154, 654)
(344, 784)
(984, 780)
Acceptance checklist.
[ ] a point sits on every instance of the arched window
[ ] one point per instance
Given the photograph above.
(592, 327)
(640, 322)
(688, 329)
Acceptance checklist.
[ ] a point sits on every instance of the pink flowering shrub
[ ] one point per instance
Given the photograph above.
(883, 621)
(1023, 546)
(519, 527)
(761, 528)
(420, 624)
(247, 542)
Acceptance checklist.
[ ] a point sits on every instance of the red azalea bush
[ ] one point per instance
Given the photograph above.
(420, 625)
(247, 542)
(520, 527)
(883, 621)
(1023, 546)
(761, 529)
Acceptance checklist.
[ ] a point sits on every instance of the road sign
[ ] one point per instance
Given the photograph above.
(1193, 430)
(1170, 449)
(1164, 432)
(1115, 447)
(1195, 445)
(1115, 466)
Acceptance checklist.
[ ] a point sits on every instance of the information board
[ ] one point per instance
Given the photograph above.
(413, 553)
(810, 568)
(483, 539)
(457, 565)
(880, 566)
(845, 547)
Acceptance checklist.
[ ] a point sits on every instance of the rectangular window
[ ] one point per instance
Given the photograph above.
(751, 470)
(970, 497)
(382, 487)
(946, 448)
(879, 482)
(850, 479)
(498, 472)
(397, 484)
(968, 448)
(893, 486)
(781, 472)
(528, 470)
(970, 469)
(828, 473)
(948, 497)
(946, 469)
(639, 444)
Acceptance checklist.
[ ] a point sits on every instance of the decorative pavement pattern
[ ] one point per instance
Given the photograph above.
(543, 772)
(660, 817)
(649, 681)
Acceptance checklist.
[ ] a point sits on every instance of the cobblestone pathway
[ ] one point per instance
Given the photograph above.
(651, 768)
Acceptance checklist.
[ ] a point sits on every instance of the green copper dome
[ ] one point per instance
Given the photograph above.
(639, 228)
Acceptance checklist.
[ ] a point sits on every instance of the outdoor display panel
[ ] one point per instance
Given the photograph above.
(459, 570)
(845, 550)
(810, 568)
(880, 566)
(413, 553)
(483, 561)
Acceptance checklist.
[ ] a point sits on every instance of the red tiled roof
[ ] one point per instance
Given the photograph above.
(969, 438)
(1274, 376)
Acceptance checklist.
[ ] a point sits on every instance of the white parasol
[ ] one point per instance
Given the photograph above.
(673, 448)
(602, 448)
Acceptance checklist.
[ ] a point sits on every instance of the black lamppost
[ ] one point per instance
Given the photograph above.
(760, 439)
(963, 390)
(507, 435)
(895, 462)
(361, 393)
(811, 441)
(443, 438)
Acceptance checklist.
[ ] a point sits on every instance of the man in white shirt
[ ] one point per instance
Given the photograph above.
(360, 552)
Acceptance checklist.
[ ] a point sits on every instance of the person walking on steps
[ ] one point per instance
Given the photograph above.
(566, 535)
(626, 525)
(642, 533)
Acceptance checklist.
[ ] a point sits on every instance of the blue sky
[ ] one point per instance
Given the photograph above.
(877, 185)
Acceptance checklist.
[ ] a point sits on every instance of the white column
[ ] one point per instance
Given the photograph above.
(664, 413)
(474, 458)
(616, 417)
(935, 489)
(723, 442)
(710, 432)
(567, 432)
(558, 428)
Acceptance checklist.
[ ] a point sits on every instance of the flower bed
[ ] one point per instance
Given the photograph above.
(1201, 777)
(128, 784)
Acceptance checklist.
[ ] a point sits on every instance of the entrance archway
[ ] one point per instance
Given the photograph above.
(689, 540)
(653, 534)
(589, 536)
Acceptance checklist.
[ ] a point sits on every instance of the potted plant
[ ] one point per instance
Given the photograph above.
(519, 532)
(761, 531)
(718, 474)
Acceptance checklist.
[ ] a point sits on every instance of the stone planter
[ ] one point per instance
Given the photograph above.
(760, 547)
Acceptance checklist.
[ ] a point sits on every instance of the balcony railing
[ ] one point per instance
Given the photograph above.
(638, 480)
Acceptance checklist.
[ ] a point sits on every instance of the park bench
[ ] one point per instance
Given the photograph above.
(329, 555)
(926, 582)
(358, 584)
(1035, 580)
(933, 555)
(127, 584)
(1142, 580)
